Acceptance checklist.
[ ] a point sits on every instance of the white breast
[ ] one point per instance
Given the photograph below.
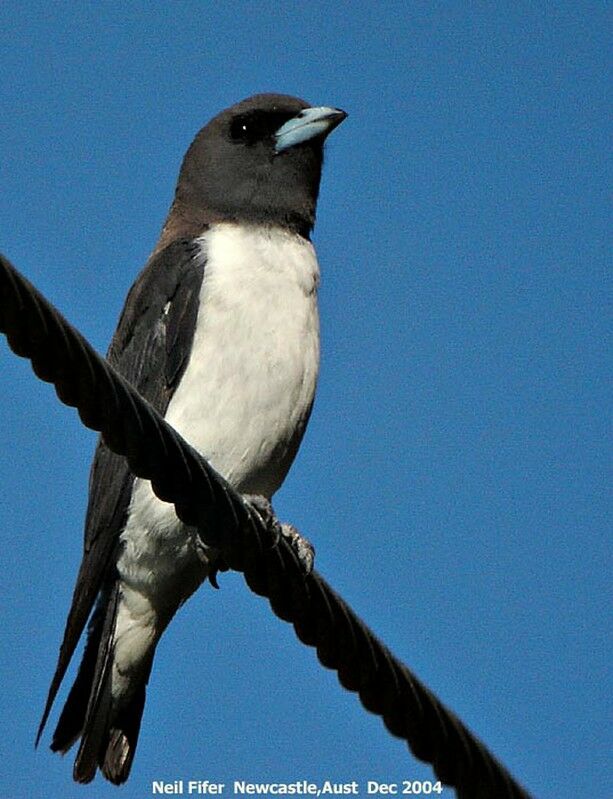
(251, 376)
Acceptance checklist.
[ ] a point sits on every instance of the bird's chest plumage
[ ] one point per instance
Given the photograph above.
(250, 380)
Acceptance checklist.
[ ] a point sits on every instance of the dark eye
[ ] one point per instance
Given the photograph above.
(242, 128)
(256, 126)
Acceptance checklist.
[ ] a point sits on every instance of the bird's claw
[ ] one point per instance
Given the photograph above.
(265, 511)
(300, 546)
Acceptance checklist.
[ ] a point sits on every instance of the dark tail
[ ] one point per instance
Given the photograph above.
(108, 735)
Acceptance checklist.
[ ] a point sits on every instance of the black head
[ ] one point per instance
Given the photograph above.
(258, 161)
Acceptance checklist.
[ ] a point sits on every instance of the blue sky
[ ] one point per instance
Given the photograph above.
(453, 477)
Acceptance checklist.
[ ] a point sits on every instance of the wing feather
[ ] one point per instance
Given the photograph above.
(150, 349)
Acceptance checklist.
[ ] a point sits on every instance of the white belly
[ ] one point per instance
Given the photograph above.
(251, 377)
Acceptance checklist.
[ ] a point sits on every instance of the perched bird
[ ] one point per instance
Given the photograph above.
(220, 333)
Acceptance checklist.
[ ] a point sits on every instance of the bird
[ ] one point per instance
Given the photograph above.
(220, 333)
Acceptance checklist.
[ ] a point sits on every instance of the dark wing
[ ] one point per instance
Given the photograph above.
(150, 349)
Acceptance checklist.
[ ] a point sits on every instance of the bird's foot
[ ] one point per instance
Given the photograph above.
(218, 566)
(300, 546)
(266, 513)
(211, 559)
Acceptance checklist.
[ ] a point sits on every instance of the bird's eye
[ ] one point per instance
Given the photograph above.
(256, 126)
(245, 128)
(239, 129)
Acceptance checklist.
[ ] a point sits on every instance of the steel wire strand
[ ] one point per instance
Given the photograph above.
(202, 498)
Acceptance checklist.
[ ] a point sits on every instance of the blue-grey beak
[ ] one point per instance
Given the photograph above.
(309, 123)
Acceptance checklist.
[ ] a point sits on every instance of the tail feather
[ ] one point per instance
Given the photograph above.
(96, 722)
(88, 585)
(109, 735)
(72, 718)
(95, 733)
(121, 747)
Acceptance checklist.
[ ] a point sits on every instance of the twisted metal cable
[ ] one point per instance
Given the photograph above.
(202, 498)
